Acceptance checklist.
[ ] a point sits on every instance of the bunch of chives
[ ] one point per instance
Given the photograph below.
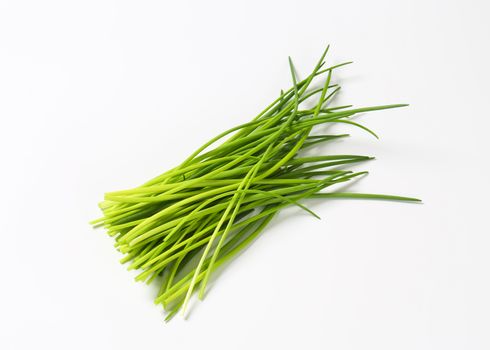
(180, 226)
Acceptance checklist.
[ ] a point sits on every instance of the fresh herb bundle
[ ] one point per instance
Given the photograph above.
(180, 226)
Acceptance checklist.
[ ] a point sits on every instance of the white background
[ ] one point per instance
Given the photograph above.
(101, 95)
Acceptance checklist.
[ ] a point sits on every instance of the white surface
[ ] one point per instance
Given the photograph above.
(101, 95)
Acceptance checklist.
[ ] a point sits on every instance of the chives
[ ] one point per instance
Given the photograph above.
(180, 226)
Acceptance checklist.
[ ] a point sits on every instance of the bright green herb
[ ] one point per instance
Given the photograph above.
(180, 226)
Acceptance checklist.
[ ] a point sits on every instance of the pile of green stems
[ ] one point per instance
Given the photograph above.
(182, 225)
